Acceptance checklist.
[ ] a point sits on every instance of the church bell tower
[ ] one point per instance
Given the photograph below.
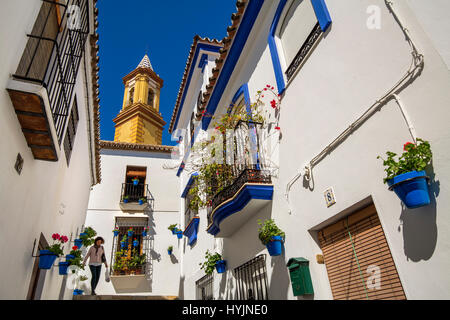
(140, 121)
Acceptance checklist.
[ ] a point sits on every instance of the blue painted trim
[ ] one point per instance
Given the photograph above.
(192, 230)
(273, 48)
(206, 47)
(249, 192)
(248, 20)
(180, 169)
(203, 61)
(243, 90)
(189, 183)
(322, 14)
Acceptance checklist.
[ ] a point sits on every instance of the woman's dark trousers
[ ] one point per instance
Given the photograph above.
(95, 270)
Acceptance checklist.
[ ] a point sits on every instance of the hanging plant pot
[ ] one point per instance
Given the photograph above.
(130, 233)
(135, 243)
(46, 259)
(78, 292)
(174, 231)
(169, 252)
(221, 266)
(135, 182)
(116, 233)
(412, 188)
(63, 265)
(78, 243)
(179, 234)
(144, 233)
(123, 244)
(69, 257)
(275, 246)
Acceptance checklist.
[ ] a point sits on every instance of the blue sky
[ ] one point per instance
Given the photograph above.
(163, 29)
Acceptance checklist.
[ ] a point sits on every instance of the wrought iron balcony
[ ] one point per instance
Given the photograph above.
(42, 89)
(136, 197)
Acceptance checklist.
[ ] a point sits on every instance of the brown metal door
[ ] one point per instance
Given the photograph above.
(358, 260)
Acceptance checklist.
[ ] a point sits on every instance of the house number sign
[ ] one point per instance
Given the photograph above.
(330, 199)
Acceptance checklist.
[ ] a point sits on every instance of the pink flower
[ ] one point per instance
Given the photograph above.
(265, 89)
(55, 236)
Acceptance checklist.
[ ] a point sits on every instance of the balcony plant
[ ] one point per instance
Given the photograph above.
(126, 199)
(120, 262)
(213, 261)
(116, 231)
(130, 232)
(173, 228)
(407, 176)
(179, 234)
(169, 250)
(142, 200)
(135, 242)
(271, 236)
(144, 233)
(124, 241)
(135, 181)
(48, 256)
(74, 258)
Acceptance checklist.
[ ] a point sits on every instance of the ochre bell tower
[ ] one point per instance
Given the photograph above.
(140, 121)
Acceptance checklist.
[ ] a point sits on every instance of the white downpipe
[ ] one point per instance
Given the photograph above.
(416, 64)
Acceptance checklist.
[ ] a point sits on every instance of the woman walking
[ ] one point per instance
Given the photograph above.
(96, 255)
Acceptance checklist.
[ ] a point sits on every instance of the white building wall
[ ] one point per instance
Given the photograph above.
(104, 208)
(347, 72)
(47, 197)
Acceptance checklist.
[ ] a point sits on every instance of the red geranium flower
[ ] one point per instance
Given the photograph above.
(74, 248)
(407, 144)
(55, 236)
(64, 239)
(273, 103)
(277, 128)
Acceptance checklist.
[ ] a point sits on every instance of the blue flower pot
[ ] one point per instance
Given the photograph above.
(135, 243)
(78, 292)
(275, 247)
(141, 202)
(221, 266)
(169, 252)
(63, 268)
(174, 231)
(179, 234)
(83, 234)
(116, 233)
(412, 188)
(69, 257)
(135, 182)
(46, 259)
(78, 243)
(130, 233)
(125, 200)
(123, 245)
(144, 233)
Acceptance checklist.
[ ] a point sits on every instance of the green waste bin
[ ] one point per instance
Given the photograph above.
(300, 276)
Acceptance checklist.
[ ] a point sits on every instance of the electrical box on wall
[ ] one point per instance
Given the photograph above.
(300, 276)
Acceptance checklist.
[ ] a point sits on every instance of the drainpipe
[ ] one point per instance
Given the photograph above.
(417, 64)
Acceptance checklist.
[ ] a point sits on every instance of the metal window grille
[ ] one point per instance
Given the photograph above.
(251, 279)
(71, 131)
(205, 288)
(53, 54)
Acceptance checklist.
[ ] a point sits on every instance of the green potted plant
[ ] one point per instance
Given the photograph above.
(213, 261)
(74, 258)
(407, 176)
(130, 232)
(48, 256)
(116, 231)
(142, 200)
(135, 181)
(87, 237)
(126, 199)
(124, 241)
(169, 250)
(173, 228)
(271, 236)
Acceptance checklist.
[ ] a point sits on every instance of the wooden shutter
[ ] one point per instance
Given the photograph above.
(353, 248)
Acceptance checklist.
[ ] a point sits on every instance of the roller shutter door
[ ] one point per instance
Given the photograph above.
(358, 260)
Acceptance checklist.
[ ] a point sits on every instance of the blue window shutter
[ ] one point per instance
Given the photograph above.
(321, 10)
